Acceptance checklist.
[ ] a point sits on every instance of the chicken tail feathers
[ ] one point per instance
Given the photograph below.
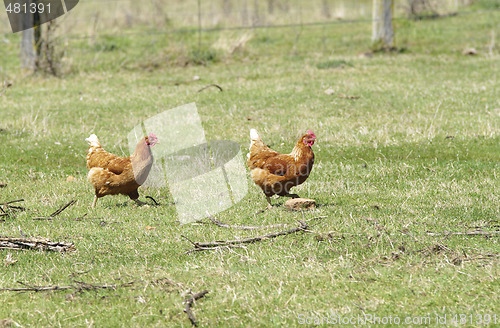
(255, 140)
(93, 141)
(254, 135)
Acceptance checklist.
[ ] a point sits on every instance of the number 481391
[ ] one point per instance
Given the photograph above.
(27, 8)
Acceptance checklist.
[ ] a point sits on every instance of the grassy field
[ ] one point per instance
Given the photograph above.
(408, 150)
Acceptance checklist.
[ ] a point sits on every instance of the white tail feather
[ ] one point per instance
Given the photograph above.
(254, 135)
(93, 140)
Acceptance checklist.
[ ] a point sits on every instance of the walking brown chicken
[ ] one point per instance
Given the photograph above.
(277, 173)
(113, 175)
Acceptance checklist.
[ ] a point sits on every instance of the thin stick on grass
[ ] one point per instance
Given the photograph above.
(12, 201)
(190, 302)
(35, 244)
(51, 216)
(225, 225)
(200, 249)
(79, 286)
(211, 85)
(242, 227)
(447, 233)
(12, 206)
(465, 233)
(213, 244)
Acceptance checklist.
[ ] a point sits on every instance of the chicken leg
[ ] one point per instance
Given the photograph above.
(94, 202)
(138, 202)
(269, 205)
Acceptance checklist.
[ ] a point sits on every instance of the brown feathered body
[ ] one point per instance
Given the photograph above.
(112, 175)
(277, 173)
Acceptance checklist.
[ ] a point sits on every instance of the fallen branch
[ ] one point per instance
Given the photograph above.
(33, 243)
(190, 302)
(51, 216)
(211, 85)
(79, 286)
(208, 245)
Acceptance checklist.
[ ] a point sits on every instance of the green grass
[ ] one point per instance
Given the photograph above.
(415, 152)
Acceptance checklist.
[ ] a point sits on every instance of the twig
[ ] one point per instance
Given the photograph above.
(467, 233)
(12, 207)
(81, 217)
(12, 201)
(233, 226)
(448, 233)
(34, 243)
(79, 286)
(63, 208)
(211, 85)
(225, 225)
(207, 245)
(51, 216)
(199, 249)
(190, 302)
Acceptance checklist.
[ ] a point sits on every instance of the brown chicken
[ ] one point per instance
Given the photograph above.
(277, 173)
(112, 175)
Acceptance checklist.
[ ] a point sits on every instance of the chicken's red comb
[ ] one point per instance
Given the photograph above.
(309, 132)
(152, 139)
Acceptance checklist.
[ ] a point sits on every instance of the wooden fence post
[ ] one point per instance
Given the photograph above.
(31, 40)
(383, 33)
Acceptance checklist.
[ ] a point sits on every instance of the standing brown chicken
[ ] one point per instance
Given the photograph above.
(277, 173)
(112, 175)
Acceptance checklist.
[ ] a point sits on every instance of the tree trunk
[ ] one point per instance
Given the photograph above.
(383, 33)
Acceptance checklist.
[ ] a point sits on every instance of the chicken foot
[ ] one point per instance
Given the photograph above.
(137, 201)
(270, 206)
